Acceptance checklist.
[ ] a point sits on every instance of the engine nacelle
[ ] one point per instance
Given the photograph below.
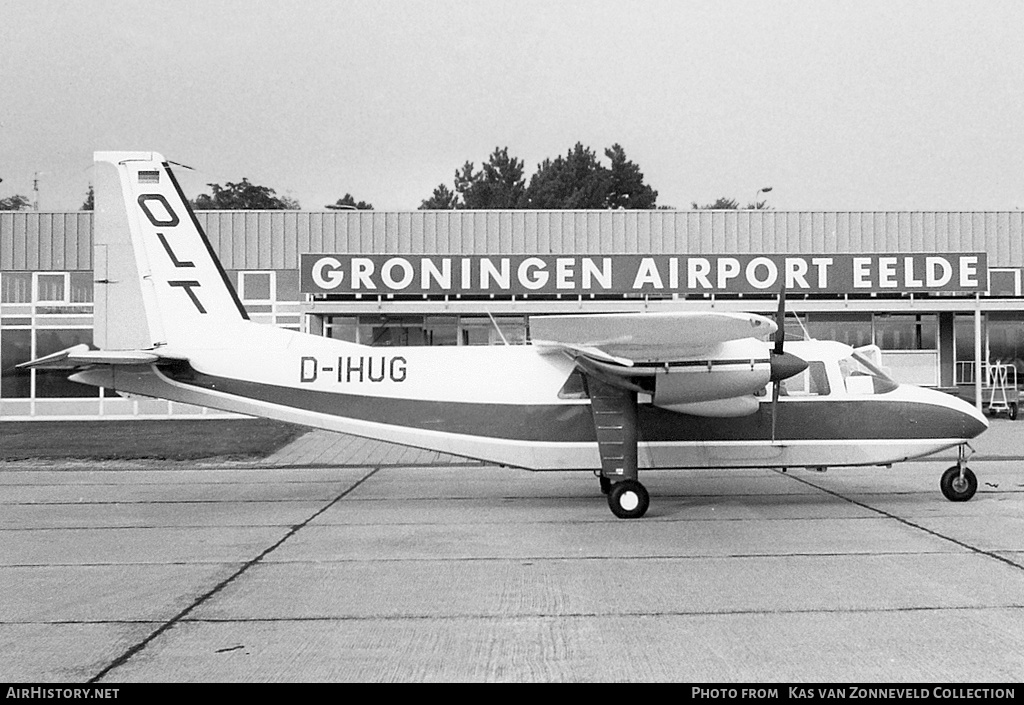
(720, 382)
(719, 408)
(734, 369)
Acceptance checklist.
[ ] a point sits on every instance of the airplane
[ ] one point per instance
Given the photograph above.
(611, 392)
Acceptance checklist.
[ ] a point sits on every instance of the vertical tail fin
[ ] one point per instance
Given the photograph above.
(186, 295)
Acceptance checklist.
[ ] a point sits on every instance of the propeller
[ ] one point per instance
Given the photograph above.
(783, 364)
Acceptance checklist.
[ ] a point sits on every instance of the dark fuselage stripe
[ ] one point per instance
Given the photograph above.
(807, 420)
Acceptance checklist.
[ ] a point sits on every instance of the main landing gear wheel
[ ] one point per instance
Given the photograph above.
(957, 488)
(628, 499)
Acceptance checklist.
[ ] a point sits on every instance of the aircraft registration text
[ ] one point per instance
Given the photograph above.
(354, 369)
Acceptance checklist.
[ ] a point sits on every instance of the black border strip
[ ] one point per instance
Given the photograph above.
(206, 241)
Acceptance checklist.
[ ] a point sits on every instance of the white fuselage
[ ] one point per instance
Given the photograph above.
(508, 404)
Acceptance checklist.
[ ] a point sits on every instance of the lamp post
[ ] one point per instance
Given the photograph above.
(766, 189)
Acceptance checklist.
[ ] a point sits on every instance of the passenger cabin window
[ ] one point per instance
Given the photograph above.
(861, 376)
(811, 382)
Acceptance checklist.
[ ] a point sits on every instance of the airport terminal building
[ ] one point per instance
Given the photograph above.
(938, 292)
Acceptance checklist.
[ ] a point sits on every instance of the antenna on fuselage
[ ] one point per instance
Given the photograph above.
(495, 324)
(807, 335)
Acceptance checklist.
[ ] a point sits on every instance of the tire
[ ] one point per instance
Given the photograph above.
(1012, 413)
(955, 489)
(628, 499)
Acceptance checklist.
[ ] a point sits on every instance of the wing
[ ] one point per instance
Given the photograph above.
(630, 338)
(704, 363)
(699, 363)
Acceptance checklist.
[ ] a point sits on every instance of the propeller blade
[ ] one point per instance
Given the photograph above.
(783, 365)
(780, 320)
(775, 406)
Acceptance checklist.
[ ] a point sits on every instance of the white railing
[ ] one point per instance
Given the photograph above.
(993, 374)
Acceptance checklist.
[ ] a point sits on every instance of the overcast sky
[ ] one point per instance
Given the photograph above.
(855, 105)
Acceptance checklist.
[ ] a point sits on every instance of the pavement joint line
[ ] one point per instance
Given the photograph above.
(406, 524)
(609, 615)
(155, 502)
(907, 522)
(533, 615)
(606, 615)
(160, 466)
(569, 522)
(509, 560)
(131, 652)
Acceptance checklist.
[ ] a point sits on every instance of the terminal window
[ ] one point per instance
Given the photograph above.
(51, 288)
(16, 287)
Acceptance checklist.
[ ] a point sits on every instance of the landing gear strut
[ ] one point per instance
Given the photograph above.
(614, 412)
(958, 483)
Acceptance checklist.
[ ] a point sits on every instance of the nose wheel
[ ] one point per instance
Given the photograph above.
(958, 483)
(958, 486)
(628, 499)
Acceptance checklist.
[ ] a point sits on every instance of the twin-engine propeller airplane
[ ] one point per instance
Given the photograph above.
(608, 392)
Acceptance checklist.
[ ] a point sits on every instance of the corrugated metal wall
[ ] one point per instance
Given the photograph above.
(45, 241)
(275, 239)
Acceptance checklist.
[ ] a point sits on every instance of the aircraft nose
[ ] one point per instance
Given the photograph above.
(966, 421)
(977, 423)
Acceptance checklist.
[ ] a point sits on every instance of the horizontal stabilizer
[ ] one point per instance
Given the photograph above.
(80, 356)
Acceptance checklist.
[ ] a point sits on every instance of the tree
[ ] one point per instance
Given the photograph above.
(90, 200)
(347, 202)
(575, 181)
(579, 180)
(441, 200)
(15, 203)
(723, 203)
(626, 188)
(243, 196)
(498, 184)
(731, 204)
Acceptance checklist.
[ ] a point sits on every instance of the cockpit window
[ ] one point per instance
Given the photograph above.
(811, 382)
(863, 377)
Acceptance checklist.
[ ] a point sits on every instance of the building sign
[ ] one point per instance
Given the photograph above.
(638, 274)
